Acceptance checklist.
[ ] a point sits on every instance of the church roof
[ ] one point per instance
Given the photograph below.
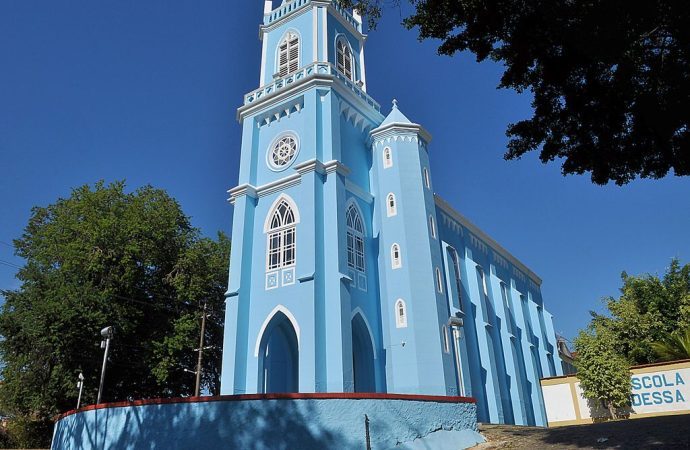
(395, 116)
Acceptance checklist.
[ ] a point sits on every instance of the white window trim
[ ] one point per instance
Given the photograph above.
(353, 75)
(484, 287)
(268, 231)
(286, 36)
(269, 152)
(396, 263)
(355, 235)
(400, 320)
(457, 272)
(291, 318)
(387, 162)
(439, 280)
(391, 210)
(427, 179)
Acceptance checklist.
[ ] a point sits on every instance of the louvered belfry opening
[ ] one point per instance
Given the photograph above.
(289, 54)
(344, 59)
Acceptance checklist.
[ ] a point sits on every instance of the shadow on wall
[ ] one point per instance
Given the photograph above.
(261, 424)
(241, 425)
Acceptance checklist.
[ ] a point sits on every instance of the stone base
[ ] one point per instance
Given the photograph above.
(273, 421)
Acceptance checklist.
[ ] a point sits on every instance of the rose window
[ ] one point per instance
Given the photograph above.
(283, 151)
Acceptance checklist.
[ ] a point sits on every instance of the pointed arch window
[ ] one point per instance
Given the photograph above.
(288, 54)
(455, 262)
(439, 281)
(432, 227)
(483, 293)
(396, 258)
(282, 246)
(344, 61)
(427, 179)
(391, 205)
(387, 158)
(400, 314)
(446, 341)
(355, 239)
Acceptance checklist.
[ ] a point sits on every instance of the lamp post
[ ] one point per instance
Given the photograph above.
(80, 386)
(107, 334)
(455, 324)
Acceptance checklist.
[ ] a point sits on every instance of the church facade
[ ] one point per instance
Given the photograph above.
(348, 274)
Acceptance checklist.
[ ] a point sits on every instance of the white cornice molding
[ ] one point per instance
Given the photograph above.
(302, 86)
(289, 16)
(328, 4)
(495, 246)
(337, 167)
(294, 179)
(241, 191)
(329, 167)
(396, 128)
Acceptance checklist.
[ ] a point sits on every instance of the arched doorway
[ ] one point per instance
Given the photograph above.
(362, 356)
(279, 357)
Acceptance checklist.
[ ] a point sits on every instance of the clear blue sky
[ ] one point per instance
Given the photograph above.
(147, 91)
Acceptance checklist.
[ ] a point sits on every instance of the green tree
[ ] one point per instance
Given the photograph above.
(610, 79)
(104, 257)
(603, 373)
(635, 330)
(649, 309)
(675, 347)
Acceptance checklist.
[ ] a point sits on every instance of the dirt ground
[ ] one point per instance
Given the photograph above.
(670, 432)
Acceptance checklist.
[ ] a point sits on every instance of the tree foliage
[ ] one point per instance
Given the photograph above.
(107, 257)
(675, 347)
(649, 309)
(603, 373)
(635, 330)
(610, 78)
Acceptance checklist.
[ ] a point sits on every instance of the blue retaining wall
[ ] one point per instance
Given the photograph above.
(269, 424)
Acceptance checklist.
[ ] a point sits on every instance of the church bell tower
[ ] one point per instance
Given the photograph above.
(293, 284)
(315, 301)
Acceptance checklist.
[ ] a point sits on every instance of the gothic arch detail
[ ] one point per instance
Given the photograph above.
(288, 53)
(276, 310)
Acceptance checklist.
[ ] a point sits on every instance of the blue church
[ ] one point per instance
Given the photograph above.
(348, 274)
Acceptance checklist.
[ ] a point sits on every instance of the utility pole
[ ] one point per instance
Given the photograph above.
(107, 334)
(201, 353)
(80, 385)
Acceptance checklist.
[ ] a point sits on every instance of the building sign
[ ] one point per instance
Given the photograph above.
(657, 389)
(661, 391)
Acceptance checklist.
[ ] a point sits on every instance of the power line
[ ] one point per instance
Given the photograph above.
(5, 243)
(9, 264)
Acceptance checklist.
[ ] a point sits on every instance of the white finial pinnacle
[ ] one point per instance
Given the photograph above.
(395, 103)
(268, 6)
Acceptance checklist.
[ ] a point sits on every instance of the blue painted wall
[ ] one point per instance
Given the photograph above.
(488, 337)
(266, 424)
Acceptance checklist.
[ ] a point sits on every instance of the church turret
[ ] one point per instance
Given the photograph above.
(413, 301)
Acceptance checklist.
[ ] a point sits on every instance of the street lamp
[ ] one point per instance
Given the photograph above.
(80, 386)
(107, 334)
(456, 323)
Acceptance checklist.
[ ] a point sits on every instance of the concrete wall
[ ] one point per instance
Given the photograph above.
(256, 422)
(657, 390)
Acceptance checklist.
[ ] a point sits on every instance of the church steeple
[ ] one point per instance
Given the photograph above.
(395, 116)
